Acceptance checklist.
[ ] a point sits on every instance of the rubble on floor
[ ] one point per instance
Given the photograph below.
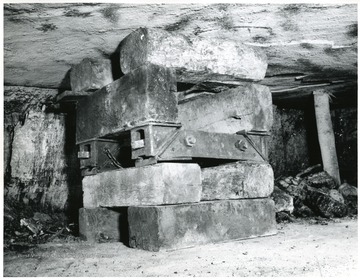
(313, 193)
(26, 225)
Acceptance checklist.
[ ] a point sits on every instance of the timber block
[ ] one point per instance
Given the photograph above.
(195, 60)
(155, 228)
(243, 179)
(91, 75)
(246, 107)
(164, 183)
(102, 224)
(143, 95)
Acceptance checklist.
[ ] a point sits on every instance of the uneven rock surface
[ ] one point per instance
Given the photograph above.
(288, 144)
(298, 39)
(38, 158)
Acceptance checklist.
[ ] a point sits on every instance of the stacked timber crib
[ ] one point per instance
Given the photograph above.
(174, 153)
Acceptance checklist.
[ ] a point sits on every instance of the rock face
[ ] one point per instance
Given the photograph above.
(39, 155)
(195, 60)
(288, 144)
(38, 159)
(237, 180)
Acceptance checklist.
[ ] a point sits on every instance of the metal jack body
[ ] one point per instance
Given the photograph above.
(157, 142)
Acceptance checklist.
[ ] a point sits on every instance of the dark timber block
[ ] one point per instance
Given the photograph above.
(102, 224)
(143, 95)
(91, 75)
(243, 179)
(195, 60)
(178, 226)
(163, 183)
(246, 107)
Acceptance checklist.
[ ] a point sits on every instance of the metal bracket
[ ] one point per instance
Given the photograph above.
(258, 141)
(157, 142)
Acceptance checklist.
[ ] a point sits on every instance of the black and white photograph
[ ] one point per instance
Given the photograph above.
(179, 139)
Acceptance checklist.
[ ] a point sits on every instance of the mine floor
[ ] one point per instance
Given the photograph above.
(303, 248)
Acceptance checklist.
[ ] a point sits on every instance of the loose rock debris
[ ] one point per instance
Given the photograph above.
(313, 193)
(25, 226)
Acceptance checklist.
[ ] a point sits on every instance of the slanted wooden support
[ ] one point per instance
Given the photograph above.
(326, 134)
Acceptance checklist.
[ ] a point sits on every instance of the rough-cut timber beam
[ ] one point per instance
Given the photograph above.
(144, 95)
(194, 60)
(43, 41)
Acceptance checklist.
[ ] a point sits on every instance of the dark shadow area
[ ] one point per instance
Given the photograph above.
(115, 64)
(74, 179)
(65, 83)
(312, 134)
(123, 225)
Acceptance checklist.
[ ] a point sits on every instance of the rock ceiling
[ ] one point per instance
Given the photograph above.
(308, 45)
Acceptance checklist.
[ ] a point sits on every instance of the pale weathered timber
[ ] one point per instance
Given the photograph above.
(43, 41)
(246, 107)
(91, 75)
(164, 183)
(243, 179)
(195, 60)
(326, 134)
(156, 228)
(143, 95)
(101, 224)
